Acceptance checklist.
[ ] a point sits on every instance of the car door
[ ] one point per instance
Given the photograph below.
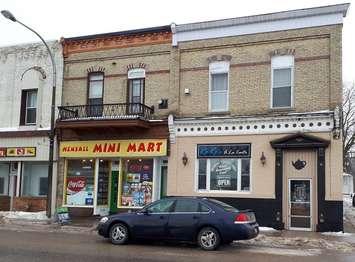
(152, 222)
(184, 220)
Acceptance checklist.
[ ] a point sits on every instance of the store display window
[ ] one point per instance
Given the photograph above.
(79, 187)
(137, 182)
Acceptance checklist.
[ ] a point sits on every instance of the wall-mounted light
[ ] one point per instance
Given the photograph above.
(185, 159)
(263, 159)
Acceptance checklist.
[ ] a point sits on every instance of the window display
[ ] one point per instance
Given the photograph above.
(103, 182)
(34, 176)
(137, 182)
(80, 182)
(223, 167)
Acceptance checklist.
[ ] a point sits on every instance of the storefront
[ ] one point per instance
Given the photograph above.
(23, 177)
(284, 168)
(108, 175)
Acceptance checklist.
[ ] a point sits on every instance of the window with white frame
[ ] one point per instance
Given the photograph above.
(282, 81)
(218, 90)
(223, 167)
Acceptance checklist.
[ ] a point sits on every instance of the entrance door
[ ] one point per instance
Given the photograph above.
(300, 204)
(299, 189)
(114, 186)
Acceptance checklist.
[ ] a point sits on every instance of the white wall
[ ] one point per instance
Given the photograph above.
(14, 61)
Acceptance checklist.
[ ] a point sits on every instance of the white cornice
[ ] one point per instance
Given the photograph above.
(317, 122)
(294, 19)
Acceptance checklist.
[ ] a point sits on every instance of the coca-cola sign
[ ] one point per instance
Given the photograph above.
(76, 184)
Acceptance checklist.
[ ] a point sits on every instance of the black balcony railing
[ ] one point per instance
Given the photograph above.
(106, 111)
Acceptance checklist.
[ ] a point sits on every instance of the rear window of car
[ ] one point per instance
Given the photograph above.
(223, 205)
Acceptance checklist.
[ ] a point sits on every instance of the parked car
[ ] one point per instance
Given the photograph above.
(205, 221)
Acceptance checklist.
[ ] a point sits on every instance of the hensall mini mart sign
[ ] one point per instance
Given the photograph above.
(17, 151)
(114, 148)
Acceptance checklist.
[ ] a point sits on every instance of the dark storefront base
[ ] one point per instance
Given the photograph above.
(4, 203)
(268, 212)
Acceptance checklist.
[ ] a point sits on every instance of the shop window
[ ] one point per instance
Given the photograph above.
(43, 186)
(282, 81)
(34, 177)
(218, 90)
(4, 178)
(79, 189)
(224, 167)
(95, 93)
(28, 114)
(137, 182)
(2, 185)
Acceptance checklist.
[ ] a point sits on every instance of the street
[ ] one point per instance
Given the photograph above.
(54, 246)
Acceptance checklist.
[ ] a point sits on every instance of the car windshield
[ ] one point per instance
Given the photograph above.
(223, 205)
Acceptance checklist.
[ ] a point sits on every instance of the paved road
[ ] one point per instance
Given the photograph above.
(42, 246)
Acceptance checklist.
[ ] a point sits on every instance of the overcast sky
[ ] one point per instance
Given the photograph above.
(53, 19)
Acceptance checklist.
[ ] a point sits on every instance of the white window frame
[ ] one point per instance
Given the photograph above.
(31, 107)
(208, 178)
(220, 67)
(282, 62)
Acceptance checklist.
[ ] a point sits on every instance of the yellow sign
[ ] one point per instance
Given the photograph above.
(114, 148)
(17, 152)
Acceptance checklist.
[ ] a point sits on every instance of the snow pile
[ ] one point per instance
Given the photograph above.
(24, 215)
(267, 229)
(337, 234)
(297, 242)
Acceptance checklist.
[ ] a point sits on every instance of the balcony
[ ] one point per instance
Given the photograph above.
(125, 111)
(105, 115)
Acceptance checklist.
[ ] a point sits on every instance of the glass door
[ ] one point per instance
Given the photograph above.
(300, 205)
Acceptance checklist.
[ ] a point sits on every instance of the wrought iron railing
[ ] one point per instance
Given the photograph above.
(106, 111)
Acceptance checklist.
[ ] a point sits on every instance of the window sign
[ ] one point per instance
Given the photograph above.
(224, 174)
(80, 182)
(137, 184)
(223, 150)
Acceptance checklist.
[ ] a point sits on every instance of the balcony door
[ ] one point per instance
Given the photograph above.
(95, 94)
(136, 95)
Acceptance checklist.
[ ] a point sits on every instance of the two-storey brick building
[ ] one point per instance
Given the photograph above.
(258, 120)
(112, 126)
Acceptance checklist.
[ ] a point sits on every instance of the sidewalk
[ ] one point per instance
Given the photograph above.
(42, 224)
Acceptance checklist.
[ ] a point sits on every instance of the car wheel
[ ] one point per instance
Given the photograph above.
(208, 238)
(119, 234)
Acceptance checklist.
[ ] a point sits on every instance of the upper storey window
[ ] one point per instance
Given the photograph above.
(96, 87)
(218, 90)
(95, 94)
(282, 81)
(136, 86)
(28, 107)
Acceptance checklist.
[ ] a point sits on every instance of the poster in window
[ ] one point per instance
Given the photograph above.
(78, 191)
(137, 183)
(224, 174)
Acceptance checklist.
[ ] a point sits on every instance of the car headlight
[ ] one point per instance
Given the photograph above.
(103, 220)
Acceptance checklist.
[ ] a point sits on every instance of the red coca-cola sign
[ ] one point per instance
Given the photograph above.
(76, 184)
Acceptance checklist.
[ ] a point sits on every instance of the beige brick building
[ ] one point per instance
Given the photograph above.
(244, 109)
(258, 119)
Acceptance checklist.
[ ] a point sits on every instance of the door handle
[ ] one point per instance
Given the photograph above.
(161, 217)
(195, 217)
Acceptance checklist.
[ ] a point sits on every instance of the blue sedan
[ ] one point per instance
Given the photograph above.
(205, 221)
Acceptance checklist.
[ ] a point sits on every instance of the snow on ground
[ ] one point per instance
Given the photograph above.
(337, 234)
(296, 242)
(267, 229)
(24, 215)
